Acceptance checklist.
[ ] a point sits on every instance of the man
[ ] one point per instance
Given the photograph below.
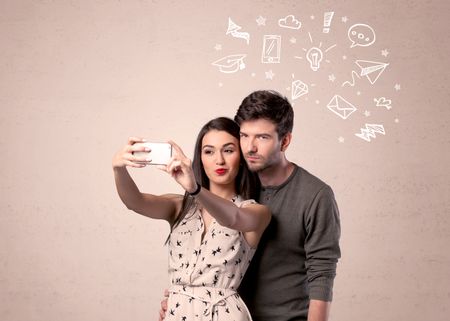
(291, 275)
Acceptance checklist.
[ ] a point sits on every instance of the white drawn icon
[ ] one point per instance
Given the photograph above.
(361, 35)
(370, 131)
(289, 22)
(261, 21)
(341, 107)
(233, 29)
(371, 69)
(352, 83)
(299, 88)
(327, 16)
(383, 102)
(314, 56)
(230, 64)
(271, 49)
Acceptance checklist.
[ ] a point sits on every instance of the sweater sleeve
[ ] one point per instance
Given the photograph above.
(322, 244)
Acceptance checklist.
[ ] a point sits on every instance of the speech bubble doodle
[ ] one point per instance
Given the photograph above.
(361, 35)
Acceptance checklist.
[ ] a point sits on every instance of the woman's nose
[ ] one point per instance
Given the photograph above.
(220, 160)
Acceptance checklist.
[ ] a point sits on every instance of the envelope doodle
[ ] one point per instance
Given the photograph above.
(341, 107)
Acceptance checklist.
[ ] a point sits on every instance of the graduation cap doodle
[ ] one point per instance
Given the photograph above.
(231, 63)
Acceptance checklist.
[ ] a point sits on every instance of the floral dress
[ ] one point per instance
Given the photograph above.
(205, 273)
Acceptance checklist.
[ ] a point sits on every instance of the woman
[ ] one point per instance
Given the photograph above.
(215, 226)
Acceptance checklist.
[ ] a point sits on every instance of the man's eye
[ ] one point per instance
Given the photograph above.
(229, 151)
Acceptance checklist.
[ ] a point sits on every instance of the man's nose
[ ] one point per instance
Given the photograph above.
(251, 147)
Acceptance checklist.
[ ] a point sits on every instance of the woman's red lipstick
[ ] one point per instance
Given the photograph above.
(220, 171)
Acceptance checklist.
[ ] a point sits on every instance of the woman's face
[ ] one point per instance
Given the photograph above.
(220, 157)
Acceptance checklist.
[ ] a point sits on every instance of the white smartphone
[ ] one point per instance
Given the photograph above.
(160, 153)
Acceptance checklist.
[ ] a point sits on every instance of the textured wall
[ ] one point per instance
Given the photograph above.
(79, 77)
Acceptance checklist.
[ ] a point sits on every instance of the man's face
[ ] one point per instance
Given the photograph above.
(260, 144)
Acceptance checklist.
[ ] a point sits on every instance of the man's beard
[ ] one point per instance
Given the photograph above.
(257, 167)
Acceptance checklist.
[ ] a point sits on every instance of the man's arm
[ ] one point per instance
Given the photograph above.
(322, 252)
(318, 310)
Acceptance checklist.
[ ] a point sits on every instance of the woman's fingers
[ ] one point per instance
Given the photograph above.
(133, 139)
(177, 149)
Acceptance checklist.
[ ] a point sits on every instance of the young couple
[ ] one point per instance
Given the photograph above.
(288, 242)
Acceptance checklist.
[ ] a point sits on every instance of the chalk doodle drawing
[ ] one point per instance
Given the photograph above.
(370, 131)
(271, 53)
(361, 35)
(315, 55)
(327, 16)
(383, 102)
(299, 88)
(233, 30)
(341, 107)
(230, 64)
(289, 22)
(294, 31)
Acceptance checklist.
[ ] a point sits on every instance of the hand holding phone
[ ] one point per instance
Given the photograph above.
(159, 154)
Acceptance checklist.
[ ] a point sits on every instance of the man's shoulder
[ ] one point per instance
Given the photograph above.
(309, 184)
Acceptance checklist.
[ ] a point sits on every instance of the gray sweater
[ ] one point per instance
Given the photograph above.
(297, 255)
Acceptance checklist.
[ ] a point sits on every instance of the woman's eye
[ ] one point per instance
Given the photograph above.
(207, 152)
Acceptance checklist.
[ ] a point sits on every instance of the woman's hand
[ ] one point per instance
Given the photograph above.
(180, 168)
(125, 156)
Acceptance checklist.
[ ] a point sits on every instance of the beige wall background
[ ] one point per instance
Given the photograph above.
(79, 77)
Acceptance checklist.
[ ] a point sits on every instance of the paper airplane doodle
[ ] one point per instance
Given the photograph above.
(370, 130)
(299, 88)
(233, 30)
(271, 49)
(341, 107)
(289, 22)
(371, 69)
(231, 63)
(383, 102)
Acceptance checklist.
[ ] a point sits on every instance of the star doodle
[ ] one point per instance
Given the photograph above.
(332, 77)
(293, 40)
(344, 19)
(218, 47)
(367, 113)
(397, 87)
(341, 139)
(384, 52)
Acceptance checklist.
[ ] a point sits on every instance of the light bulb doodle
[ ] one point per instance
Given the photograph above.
(314, 56)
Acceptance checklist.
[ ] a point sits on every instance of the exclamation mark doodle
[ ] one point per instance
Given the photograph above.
(327, 16)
